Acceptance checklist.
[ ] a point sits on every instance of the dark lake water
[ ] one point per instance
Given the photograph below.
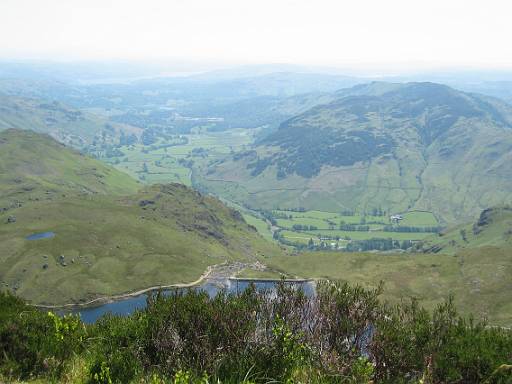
(42, 235)
(129, 305)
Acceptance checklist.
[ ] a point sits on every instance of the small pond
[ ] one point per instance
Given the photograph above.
(125, 307)
(42, 235)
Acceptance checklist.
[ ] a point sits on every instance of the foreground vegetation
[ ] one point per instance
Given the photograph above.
(479, 278)
(342, 334)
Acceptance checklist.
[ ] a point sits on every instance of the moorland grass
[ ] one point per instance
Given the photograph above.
(479, 278)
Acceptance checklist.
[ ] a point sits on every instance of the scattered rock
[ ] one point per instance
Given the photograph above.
(433, 249)
(61, 261)
(11, 219)
(484, 219)
(143, 203)
(237, 215)
(45, 266)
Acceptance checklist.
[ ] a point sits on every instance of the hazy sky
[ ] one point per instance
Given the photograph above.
(385, 33)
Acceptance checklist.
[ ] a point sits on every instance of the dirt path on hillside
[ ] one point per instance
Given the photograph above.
(214, 273)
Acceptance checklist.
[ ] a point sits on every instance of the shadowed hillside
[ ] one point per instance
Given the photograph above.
(396, 146)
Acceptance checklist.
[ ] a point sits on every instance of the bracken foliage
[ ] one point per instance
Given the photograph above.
(342, 334)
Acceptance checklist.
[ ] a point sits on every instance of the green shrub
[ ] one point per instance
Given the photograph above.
(114, 351)
(472, 352)
(343, 334)
(33, 342)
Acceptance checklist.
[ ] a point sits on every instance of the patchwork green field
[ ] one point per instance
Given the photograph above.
(314, 228)
(171, 159)
(470, 261)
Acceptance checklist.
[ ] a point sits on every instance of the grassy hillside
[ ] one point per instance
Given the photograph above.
(492, 228)
(419, 146)
(108, 239)
(36, 167)
(479, 278)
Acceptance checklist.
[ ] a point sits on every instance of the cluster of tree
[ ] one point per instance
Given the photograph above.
(377, 244)
(327, 237)
(332, 224)
(281, 215)
(377, 212)
(340, 334)
(268, 215)
(353, 227)
(179, 140)
(149, 136)
(305, 151)
(130, 139)
(323, 244)
(155, 120)
(186, 163)
(408, 229)
(300, 227)
(113, 152)
(200, 151)
(259, 165)
(300, 209)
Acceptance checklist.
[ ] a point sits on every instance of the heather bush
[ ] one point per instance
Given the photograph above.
(36, 343)
(342, 334)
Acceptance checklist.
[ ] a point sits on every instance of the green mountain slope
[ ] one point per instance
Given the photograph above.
(395, 146)
(67, 125)
(493, 228)
(36, 167)
(107, 239)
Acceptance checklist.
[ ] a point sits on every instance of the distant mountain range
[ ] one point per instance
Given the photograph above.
(381, 145)
(395, 146)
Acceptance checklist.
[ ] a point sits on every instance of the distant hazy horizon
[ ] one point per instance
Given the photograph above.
(365, 36)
